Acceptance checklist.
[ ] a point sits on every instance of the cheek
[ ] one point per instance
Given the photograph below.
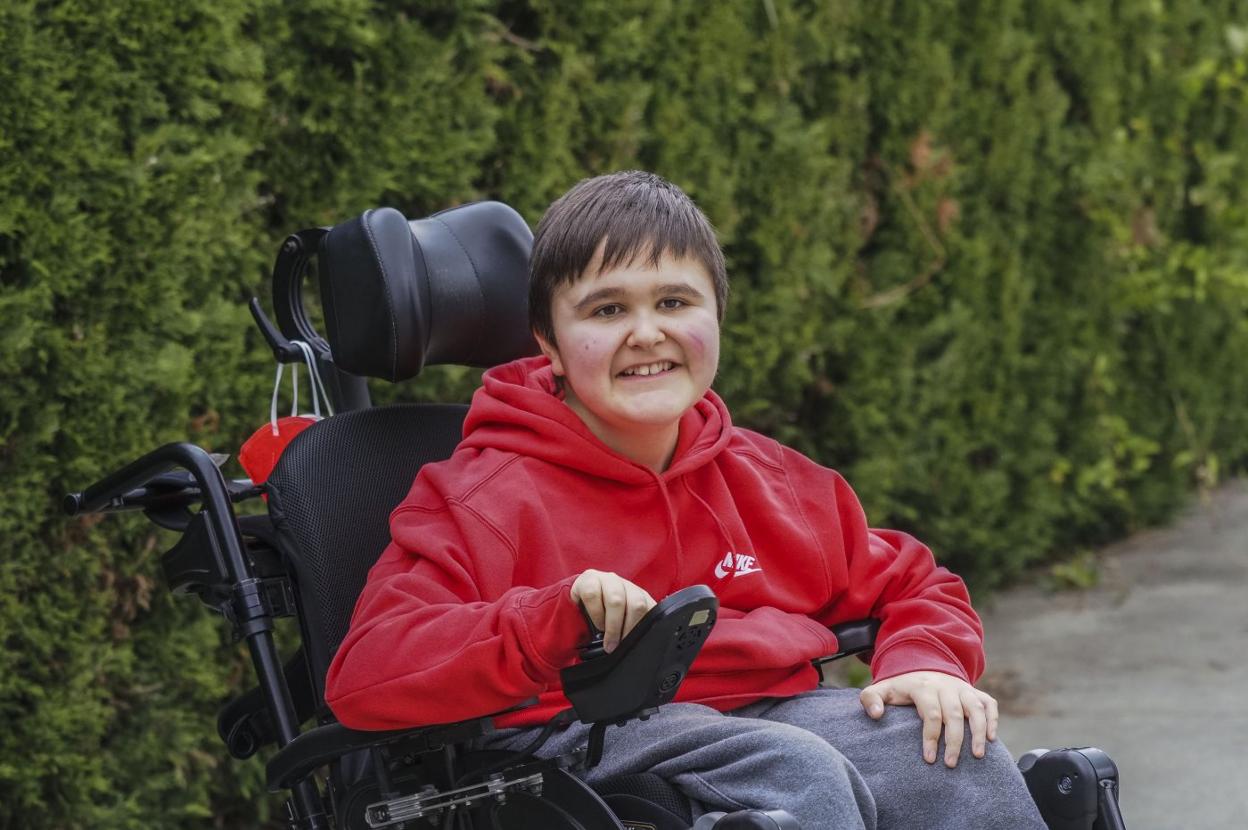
(590, 356)
(703, 343)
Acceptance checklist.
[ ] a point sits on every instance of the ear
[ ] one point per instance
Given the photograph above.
(552, 353)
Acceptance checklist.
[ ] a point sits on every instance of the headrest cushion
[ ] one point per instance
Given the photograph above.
(451, 288)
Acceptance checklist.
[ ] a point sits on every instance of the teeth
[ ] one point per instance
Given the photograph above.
(649, 369)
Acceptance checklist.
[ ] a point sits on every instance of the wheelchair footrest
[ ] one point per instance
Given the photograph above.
(431, 803)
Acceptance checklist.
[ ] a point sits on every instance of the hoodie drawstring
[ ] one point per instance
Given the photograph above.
(723, 531)
(675, 531)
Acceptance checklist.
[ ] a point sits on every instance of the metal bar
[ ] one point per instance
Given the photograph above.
(411, 807)
(347, 391)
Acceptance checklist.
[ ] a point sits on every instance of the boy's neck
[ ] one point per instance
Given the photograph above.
(652, 448)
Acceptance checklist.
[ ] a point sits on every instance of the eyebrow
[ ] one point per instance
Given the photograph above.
(679, 288)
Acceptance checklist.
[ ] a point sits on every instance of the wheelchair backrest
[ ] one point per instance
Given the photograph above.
(330, 497)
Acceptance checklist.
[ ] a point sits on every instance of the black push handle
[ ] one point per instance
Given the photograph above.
(149, 477)
(112, 491)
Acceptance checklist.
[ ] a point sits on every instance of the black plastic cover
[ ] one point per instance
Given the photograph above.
(748, 820)
(451, 288)
(195, 564)
(245, 723)
(1068, 786)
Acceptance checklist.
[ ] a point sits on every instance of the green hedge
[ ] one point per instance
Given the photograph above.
(989, 259)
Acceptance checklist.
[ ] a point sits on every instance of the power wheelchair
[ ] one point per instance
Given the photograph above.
(397, 296)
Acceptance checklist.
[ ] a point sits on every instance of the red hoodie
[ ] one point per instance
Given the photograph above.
(467, 612)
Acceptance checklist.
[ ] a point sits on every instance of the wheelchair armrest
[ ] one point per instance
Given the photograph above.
(318, 747)
(852, 637)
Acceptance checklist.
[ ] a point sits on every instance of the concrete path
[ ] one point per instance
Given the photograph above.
(1151, 666)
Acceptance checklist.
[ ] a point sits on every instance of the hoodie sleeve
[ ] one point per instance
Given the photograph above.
(925, 614)
(432, 619)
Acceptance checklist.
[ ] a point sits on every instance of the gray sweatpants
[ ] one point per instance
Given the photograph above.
(817, 755)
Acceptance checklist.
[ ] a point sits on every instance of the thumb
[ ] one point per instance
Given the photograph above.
(872, 702)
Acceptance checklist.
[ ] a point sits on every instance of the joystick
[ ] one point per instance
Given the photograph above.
(645, 670)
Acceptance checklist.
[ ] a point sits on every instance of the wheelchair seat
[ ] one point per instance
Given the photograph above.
(397, 296)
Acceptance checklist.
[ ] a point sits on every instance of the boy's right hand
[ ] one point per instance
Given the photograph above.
(612, 602)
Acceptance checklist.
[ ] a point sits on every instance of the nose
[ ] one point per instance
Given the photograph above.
(646, 331)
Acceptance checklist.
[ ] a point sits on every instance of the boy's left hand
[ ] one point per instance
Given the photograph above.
(941, 700)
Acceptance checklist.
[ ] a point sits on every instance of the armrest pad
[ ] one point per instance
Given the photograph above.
(852, 637)
(324, 744)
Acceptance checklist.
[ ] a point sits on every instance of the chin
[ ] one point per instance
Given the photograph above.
(657, 416)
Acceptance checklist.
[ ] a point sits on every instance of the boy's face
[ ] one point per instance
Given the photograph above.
(636, 346)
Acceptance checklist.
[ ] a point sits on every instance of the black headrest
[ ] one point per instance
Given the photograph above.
(452, 288)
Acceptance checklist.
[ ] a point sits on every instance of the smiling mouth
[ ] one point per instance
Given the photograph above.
(659, 367)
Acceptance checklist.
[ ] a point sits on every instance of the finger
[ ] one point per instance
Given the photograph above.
(977, 714)
(587, 590)
(992, 714)
(872, 701)
(614, 603)
(637, 603)
(955, 727)
(927, 704)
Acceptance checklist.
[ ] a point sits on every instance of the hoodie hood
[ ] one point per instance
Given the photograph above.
(520, 409)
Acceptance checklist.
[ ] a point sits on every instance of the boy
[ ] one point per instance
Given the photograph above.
(605, 472)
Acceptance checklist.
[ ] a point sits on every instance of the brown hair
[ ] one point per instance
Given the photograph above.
(632, 214)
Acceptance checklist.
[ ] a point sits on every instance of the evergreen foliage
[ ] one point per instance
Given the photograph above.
(988, 259)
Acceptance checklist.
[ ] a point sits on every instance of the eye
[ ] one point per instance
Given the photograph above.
(671, 303)
(609, 310)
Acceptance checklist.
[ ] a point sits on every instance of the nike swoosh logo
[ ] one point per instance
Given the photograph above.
(721, 571)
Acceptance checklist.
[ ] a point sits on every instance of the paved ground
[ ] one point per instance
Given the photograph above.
(1151, 666)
